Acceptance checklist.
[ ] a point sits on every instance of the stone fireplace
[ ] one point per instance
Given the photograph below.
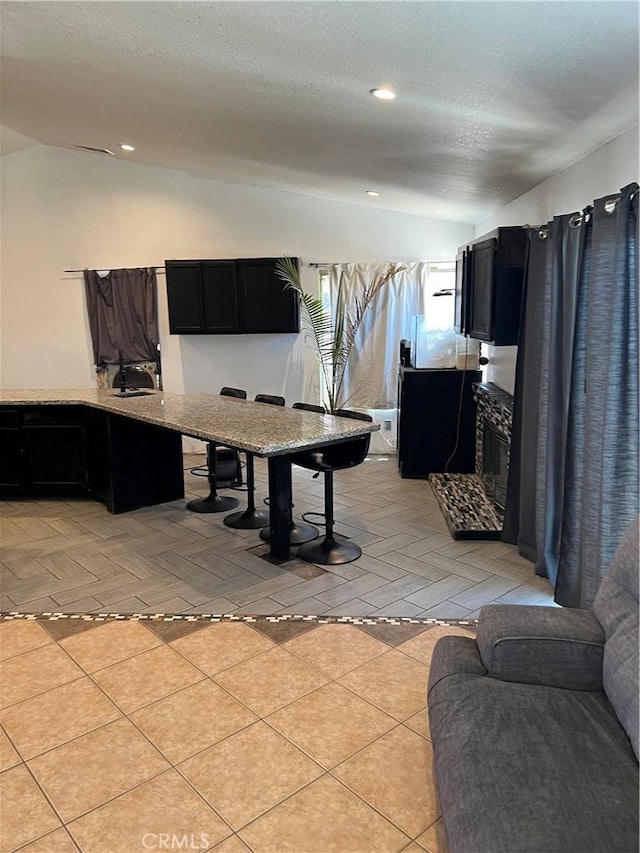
(473, 504)
(495, 465)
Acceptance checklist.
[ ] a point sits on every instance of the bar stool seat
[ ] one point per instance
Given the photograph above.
(326, 460)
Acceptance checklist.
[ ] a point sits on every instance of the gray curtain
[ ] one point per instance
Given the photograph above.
(574, 470)
(123, 315)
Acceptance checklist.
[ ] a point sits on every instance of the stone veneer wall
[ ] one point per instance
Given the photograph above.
(494, 406)
(470, 513)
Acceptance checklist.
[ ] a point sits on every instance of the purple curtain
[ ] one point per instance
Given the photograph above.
(123, 315)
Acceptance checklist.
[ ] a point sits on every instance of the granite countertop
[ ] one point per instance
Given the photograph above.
(260, 428)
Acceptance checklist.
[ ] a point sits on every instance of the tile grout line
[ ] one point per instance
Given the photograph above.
(123, 715)
(35, 780)
(260, 718)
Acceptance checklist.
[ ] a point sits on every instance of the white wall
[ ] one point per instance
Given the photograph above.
(600, 173)
(66, 210)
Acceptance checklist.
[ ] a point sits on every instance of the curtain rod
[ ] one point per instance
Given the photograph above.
(119, 268)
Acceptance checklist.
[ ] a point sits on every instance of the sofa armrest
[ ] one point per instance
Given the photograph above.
(541, 645)
(454, 656)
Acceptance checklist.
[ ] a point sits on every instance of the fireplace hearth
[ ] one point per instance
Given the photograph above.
(473, 504)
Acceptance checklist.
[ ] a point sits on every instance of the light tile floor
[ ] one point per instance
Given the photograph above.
(264, 736)
(74, 557)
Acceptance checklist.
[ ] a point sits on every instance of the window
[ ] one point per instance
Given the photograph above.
(441, 280)
(323, 284)
(439, 296)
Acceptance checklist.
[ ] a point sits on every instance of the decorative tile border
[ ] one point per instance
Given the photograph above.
(230, 617)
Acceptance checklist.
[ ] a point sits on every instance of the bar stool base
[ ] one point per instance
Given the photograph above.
(212, 503)
(329, 552)
(299, 532)
(248, 519)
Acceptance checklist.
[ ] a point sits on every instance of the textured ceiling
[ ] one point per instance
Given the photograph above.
(492, 97)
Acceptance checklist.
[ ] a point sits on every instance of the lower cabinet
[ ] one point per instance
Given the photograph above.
(11, 468)
(77, 451)
(436, 421)
(133, 463)
(43, 452)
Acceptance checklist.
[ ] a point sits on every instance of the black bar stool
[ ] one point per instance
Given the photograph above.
(132, 376)
(309, 407)
(326, 460)
(271, 399)
(252, 518)
(215, 502)
(299, 531)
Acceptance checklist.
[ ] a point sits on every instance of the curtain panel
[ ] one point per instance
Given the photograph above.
(574, 470)
(123, 315)
(371, 376)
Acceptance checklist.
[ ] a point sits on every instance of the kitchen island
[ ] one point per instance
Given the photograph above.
(126, 450)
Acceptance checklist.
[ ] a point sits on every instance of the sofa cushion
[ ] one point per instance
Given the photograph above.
(526, 768)
(555, 646)
(616, 608)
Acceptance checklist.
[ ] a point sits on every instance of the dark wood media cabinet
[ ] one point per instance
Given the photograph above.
(429, 403)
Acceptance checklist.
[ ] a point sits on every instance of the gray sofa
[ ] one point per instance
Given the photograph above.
(535, 724)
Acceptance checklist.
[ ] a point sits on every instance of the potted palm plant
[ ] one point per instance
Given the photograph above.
(332, 336)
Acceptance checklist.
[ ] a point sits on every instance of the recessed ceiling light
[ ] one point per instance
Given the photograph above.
(383, 93)
(126, 147)
(373, 193)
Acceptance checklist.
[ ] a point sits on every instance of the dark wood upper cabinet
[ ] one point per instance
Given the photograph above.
(184, 295)
(267, 305)
(462, 291)
(482, 306)
(489, 286)
(241, 296)
(221, 297)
